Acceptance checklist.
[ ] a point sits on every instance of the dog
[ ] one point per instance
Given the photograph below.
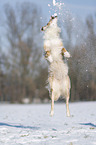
(58, 79)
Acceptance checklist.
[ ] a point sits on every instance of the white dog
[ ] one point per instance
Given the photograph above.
(59, 82)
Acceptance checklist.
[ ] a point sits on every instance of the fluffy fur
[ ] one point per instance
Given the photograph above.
(59, 82)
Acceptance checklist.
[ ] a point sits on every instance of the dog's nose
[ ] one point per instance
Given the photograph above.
(52, 17)
(42, 29)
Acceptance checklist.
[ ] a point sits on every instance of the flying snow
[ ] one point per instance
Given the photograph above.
(48, 5)
(54, 2)
(57, 4)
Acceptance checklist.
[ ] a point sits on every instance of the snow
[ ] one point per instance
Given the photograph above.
(54, 2)
(32, 125)
(58, 4)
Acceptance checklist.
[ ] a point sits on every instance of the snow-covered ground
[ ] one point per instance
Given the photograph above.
(32, 125)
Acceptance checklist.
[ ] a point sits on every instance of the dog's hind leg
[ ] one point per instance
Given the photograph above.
(52, 103)
(67, 105)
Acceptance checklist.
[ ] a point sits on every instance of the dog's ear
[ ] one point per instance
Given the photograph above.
(55, 16)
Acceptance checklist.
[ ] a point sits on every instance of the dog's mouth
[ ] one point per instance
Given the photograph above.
(48, 24)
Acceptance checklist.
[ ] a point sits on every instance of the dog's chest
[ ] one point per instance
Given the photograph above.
(58, 70)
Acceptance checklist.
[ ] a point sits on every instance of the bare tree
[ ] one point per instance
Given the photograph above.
(83, 65)
(25, 49)
(23, 72)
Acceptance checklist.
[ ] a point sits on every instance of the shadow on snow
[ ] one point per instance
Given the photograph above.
(88, 124)
(19, 126)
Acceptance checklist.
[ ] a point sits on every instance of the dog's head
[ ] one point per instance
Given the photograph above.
(52, 22)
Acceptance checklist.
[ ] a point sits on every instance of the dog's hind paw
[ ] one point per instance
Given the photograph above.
(68, 114)
(51, 113)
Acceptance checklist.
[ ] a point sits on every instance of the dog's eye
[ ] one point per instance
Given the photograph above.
(52, 17)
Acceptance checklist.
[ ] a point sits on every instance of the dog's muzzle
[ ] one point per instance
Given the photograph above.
(42, 29)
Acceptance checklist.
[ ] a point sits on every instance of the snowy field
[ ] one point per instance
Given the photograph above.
(32, 125)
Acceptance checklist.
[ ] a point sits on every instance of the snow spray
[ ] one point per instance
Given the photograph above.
(65, 17)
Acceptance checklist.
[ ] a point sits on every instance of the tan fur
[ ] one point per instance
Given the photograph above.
(63, 50)
(47, 53)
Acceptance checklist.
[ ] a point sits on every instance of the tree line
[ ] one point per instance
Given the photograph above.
(23, 70)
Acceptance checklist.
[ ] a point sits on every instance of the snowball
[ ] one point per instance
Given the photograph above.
(55, 14)
(48, 5)
(54, 2)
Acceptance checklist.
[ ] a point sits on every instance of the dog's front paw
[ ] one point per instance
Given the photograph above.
(51, 113)
(67, 54)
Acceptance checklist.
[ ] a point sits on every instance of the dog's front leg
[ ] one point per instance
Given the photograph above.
(65, 53)
(52, 104)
